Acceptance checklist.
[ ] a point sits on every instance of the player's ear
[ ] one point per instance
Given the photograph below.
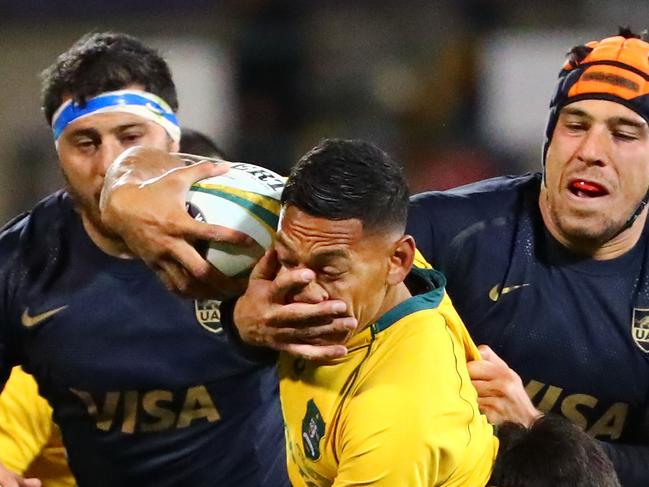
(403, 254)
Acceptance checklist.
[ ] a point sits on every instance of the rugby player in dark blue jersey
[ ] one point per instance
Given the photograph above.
(550, 271)
(145, 387)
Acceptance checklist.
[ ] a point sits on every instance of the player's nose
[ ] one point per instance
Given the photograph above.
(312, 293)
(107, 153)
(594, 147)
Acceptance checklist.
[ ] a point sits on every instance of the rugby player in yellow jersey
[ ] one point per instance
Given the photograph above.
(399, 409)
(30, 441)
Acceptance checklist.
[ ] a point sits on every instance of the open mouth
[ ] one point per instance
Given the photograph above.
(587, 189)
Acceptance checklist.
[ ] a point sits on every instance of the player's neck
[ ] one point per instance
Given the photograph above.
(613, 248)
(393, 297)
(622, 243)
(109, 244)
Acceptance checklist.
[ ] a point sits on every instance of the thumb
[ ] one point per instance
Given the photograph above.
(31, 482)
(267, 267)
(490, 356)
(485, 351)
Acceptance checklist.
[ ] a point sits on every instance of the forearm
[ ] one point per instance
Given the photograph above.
(631, 463)
(141, 164)
(257, 354)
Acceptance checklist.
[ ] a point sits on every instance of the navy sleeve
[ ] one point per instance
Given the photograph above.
(9, 236)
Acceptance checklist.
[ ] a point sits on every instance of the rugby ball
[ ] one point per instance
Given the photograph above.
(246, 199)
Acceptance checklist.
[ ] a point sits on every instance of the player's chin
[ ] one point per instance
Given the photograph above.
(594, 230)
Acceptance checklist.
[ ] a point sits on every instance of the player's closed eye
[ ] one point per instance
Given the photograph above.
(625, 136)
(331, 273)
(85, 145)
(576, 126)
(130, 137)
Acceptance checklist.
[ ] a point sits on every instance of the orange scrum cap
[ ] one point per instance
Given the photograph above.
(615, 69)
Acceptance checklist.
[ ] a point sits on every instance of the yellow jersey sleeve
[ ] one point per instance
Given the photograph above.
(25, 422)
(30, 442)
(448, 310)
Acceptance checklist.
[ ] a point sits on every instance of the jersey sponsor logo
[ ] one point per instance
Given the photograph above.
(640, 328)
(149, 411)
(313, 429)
(28, 321)
(498, 290)
(208, 314)
(582, 409)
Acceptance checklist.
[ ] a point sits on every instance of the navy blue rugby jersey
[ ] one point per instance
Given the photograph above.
(575, 329)
(145, 386)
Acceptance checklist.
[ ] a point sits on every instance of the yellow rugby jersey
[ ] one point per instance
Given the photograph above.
(398, 410)
(30, 442)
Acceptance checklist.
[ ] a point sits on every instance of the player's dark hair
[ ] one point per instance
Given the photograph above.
(551, 453)
(106, 61)
(195, 142)
(341, 179)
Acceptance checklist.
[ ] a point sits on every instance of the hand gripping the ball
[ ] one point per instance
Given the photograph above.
(246, 199)
(143, 201)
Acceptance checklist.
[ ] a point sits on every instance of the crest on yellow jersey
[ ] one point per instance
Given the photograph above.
(313, 429)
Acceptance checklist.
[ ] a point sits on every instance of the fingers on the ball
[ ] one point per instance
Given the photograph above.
(188, 257)
(229, 235)
(201, 170)
(192, 229)
(176, 275)
(165, 279)
(204, 281)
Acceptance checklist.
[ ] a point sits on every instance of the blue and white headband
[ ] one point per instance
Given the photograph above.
(141, 103)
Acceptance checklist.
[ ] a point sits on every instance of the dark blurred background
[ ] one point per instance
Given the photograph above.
(457, 90)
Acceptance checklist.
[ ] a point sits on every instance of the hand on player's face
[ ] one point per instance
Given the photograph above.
(311, 330)
(143, 200)
(501, 395)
